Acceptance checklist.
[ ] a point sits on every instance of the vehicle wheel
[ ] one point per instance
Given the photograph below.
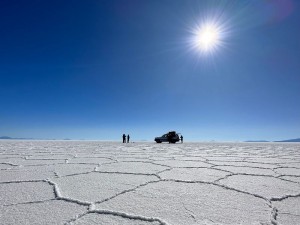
(158, 142)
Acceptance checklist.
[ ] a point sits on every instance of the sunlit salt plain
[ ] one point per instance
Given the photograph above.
(81, 182)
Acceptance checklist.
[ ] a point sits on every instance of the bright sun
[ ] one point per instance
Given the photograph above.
(207, 37)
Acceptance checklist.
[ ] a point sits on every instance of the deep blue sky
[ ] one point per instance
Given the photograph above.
(98, 69)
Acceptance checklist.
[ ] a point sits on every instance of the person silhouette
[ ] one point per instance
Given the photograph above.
(128, 137)
(181, 138)
(169, 136)
(124, 138)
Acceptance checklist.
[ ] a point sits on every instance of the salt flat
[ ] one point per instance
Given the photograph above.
(90, 182)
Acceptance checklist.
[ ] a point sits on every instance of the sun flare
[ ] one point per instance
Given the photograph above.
(208, 37)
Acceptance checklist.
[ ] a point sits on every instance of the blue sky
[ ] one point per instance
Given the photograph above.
(98, 69)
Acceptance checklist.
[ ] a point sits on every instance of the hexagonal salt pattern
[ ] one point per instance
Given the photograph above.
(191, 203)
(91, 182)
(96, 186)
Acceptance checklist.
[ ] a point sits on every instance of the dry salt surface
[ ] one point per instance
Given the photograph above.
(82, 183)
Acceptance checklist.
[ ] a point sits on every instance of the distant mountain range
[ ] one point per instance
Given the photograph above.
(13, 138)
(289, 140)
(6, 137)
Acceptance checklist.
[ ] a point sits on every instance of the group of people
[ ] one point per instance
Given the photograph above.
(124, 138)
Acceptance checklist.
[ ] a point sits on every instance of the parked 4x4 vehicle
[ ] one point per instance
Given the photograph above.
(171, 137)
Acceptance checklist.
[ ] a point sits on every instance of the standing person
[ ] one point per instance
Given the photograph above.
(181, 138)
(124, 138)
(128, 137)
(169, 137)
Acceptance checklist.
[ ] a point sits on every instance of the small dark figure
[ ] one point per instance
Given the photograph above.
(169, 138)
(124, 138)
(128, 137)
(181, 138)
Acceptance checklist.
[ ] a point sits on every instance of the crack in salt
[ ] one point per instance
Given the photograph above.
(31, 202)
(190, 212)
(129, 216)
(59, 196)
(284, 197)
(127, 191)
